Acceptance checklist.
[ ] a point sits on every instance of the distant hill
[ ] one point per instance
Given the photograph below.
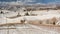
(32, 1)
(7, 0)
(9, 4)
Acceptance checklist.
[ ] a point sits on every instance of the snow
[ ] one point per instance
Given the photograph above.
(58, 23)
(15, 20)
(38, 12)
(27, 29)
(22, 13)
(41, 17)
(7, 20)
(44, 15)
(45, 12)
(5, 11)
(11, 14)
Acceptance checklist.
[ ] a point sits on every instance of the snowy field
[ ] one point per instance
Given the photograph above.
(12, 17)
(41, 15)
(27, 29)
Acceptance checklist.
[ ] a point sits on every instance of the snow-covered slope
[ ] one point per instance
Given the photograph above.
(45, 15)
(11, 14)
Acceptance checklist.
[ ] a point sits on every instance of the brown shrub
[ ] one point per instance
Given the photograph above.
(53, 20)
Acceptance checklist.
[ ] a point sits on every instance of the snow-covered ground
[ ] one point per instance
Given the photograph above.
(5, 11)
(7, 20)
(11, 14)
(42, 15)
(45, 12)
(27, 29)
